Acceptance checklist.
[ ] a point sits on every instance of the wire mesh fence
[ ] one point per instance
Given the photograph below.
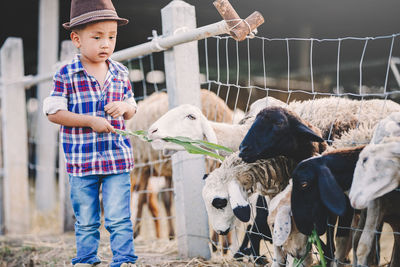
(288, 69)
(301, 69)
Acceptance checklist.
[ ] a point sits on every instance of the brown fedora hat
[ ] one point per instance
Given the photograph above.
(86, 11)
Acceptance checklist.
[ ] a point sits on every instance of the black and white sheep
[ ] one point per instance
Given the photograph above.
(336, 116)
(319, 186)
(226, 190)
(342, 120)
(277, 131)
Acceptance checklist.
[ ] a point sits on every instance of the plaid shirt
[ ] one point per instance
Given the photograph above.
(88, 152)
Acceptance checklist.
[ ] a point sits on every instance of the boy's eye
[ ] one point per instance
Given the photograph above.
(96, 37)
(112, 37)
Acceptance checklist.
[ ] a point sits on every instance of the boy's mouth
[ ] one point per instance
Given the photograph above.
(103, 54)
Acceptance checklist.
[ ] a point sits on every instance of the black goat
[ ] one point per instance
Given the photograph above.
(256, 232)
(277, 131)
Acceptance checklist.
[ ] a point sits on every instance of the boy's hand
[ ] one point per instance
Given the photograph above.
(116, 109)
(101, 125)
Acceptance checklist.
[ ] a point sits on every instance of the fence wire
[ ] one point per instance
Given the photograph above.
(289, 69)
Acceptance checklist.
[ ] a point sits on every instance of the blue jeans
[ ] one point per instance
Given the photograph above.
(116, 202)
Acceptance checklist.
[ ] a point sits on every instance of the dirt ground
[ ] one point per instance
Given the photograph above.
(58, 250)
(35, 250)
(46, 247)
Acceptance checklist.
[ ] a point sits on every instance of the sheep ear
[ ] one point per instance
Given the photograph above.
(240, 206)
(307, 132)
(330, 192)
(395, 148)
(205, 176)
(282, 226)
(208, 131)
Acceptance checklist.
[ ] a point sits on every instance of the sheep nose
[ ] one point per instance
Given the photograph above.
(224, 232)
(243, 148)
(151, 133)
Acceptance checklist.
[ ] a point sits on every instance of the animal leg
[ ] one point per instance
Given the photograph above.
(167, 198)
(153, 207)
(373, 220)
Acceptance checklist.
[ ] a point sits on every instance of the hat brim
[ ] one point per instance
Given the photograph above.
(120, 21)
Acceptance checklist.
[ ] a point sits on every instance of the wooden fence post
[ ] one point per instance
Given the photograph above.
(15, 141)
(67, 218)
(46, 137)
(183, 85)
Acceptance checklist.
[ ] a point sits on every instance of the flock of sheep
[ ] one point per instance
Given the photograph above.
(329, 164)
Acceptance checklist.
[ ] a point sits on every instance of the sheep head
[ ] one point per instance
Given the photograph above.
(377, 169)
(377, 172)
(315, 191)
(184, 120)
(388, 127)
(277, 131)
(224, 201)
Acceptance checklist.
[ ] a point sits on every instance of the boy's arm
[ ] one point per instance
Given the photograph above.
(67, 118)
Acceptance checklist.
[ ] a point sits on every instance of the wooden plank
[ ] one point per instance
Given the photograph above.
(46, 137)
(15, 141)
(183, 85)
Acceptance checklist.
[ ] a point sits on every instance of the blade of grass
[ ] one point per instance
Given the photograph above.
(193, 149)
(188, 144)
(203, 143)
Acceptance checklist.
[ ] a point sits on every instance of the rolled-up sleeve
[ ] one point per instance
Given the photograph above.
(52, 104)
(58, 97)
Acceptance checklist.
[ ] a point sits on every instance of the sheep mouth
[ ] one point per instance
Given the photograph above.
(166, 147)
(169, 152)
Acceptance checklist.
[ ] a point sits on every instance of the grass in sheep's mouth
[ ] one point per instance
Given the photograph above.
(191, 146)
(312, 239)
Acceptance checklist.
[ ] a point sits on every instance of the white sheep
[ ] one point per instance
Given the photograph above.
(150, 162)
(187, 120)
(378, 169)
(376, 175)
(287, 240)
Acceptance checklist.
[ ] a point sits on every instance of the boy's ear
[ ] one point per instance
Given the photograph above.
(75, 39)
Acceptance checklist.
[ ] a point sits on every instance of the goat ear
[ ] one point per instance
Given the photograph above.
(208, 131)
(282, 226)
(307, 132)
(205, 176)
(330, 192)
(240, 206)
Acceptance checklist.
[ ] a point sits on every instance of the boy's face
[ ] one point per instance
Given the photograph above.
(96, 41)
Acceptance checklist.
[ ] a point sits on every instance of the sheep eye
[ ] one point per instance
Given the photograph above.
(304, 185)
(365, 160)
(191, 117)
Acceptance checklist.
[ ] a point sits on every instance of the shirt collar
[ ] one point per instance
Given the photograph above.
(113, 67)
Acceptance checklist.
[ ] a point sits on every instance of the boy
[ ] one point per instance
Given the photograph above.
(91, 96)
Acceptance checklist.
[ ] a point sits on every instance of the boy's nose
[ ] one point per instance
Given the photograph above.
(105, 43)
